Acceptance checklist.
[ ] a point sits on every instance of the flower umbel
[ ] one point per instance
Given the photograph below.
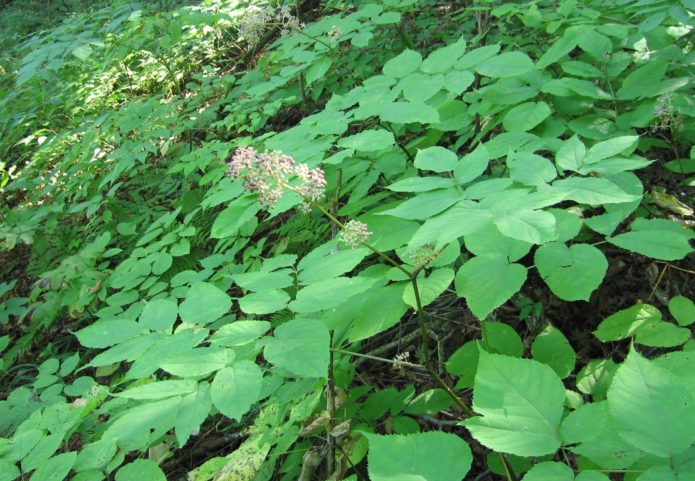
(355, 233)
(268, 173)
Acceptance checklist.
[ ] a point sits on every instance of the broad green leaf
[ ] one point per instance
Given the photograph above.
(489, 240)
(464, 363)
(194, 410)
(325, 263)
(239, 333)
(571, 154)
(204, 303)
(162, 263)
(530, 169)
(264, 302)
(420, 184)
(56, 468)
(408, 112)
(139, 470)
(442, 59)
(501, 338)
(595, 44)
(382, 309)
(424, 205)
(197, 362)
(661, 334)
(581, 69)
(526, 116)
(418, 87)
(507, 64)
(682, 309)
(459, 220)
(436, 159)
(431, 456)
(664, 473)
(592, 191)
(587, 475)
(300, 346)
(146, 363)
(261, 281)
(429, 402)
(488, 281)
(526, 422)
(329, 293)
(368, 141)
(567, 222)
(231, 219)
(549, 471)
(532, 226)
(625, 323)
(236, 388)
(475, 56)
(159, 315)
(430, 287)
(158, 390)
(656, 238)
(595, 378)
(403, 64)
(643, 399)
(551, 347)
(8, 471)
(573, 272)
(560, 48)
(137, 425)
(472, 165)
(639, 82)
(107, 333)
(610, 148)
(458, 81)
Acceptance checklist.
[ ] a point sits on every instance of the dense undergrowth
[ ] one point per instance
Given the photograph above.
(466, 253)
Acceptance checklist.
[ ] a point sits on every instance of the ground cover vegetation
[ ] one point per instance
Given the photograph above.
(401, 240)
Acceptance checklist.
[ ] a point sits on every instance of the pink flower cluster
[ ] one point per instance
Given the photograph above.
(268, 173)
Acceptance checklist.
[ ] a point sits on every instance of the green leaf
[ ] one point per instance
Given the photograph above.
(507, 64)
(139, 470)
(329, 293)
(682, 309)
(489, 240)
(430, 287)
(472, 165)
(443, 59)
(301, 347)
(526, 423)
(592, 191)
(532, 226)
(551, 347)
(436, 159)
(610, 148)
(431, 456)
(194, 410)
(530, 169)
(204, 303)
(56, 468)
(162, 263)
(368, 141)
(464, 363)
(661, 334)
(197, 362)
(236, 388)
(420, 184)
(239, 333)
(261, 281)
(325, 263)
(571, 154)
(549, 471)
(403, 64)
(501, 338)
(644, 398)
(428, 402)
(158, 390)
(587, 475)
(424, 205)
(230, 220)
(526, 116)
(459, 220)
(159, 315)
(560, 48)
(625, 323)
(107, 333)
(572, 273)
(382, 309)
(639, 82)
(656, 238)
(408, 112)
(418, 87)
(488, 281)
(8, 471)
(264, 302)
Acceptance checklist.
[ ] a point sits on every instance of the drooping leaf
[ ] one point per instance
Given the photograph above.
(301, 347)
(644, 398)
(625, 323)
(204, 303)
(682, 309)
(527, 422)
(194, 410)
(551, 347)
(430, 287)
(656, 238)
(488, 281)
(472, 165)
(236, 388)
(431, 456)
(573, 272)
